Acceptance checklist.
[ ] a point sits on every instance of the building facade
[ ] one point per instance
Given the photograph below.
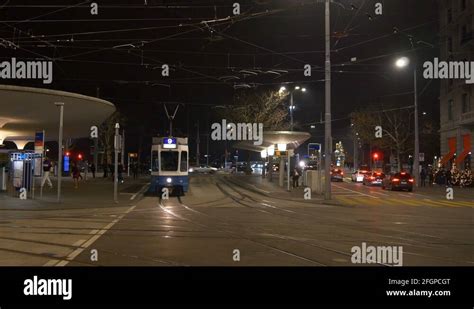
(456, 96)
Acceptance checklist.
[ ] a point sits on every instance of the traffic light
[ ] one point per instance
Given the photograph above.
(68, 154)
(79, 156)
(376, 156)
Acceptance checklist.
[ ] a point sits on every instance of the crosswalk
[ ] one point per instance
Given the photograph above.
(360, 200)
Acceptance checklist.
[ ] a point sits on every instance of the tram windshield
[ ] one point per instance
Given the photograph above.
(169, 160)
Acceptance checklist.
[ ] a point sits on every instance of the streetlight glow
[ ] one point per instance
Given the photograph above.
(297, 88)
(402, 62)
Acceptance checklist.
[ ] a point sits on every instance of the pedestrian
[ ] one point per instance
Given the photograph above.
(135, 170)
(120, 172)
(430, 177)
(93, 170)
(423, 177)
(46, 171)
(76, 173)
(296, 177)
(448, 178)
(104, 168)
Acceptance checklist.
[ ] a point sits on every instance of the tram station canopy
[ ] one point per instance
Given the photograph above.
(291, 139)
(25, 110)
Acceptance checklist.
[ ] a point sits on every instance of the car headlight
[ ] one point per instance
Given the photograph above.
(169, 180)
(191, 170)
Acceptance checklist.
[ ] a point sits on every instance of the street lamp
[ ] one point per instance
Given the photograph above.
(292, 105)
(402, 63)
(60, 147)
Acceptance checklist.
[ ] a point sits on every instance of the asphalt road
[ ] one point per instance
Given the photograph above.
(218, 223)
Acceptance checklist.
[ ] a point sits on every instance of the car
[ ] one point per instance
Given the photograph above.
(398, 181)
(373, 179)
(358, 175)
(337, 175)
(203, 169)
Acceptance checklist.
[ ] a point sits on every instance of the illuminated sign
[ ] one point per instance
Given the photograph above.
(169, 143)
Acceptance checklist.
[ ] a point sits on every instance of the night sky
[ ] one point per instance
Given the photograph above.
(117, 55)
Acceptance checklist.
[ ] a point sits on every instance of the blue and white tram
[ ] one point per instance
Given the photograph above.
(169, 165)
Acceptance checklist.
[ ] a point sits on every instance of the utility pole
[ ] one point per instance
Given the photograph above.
(356, 149)
(116, 148)
(60, 147)
(327, 119)
(416, 161)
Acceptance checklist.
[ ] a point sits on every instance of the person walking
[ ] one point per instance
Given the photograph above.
(296, 177)
(448, 178)
(430, 177)
(423, 177)
(76, 173)
(46, 172)
(135, 170)
(93, 170)
(120, 172)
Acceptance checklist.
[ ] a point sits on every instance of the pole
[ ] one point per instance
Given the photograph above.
(356, 148)
(116, 149)
(60, 148)
(416, 161)
(327, 118)
(288, 170)
(291, 110)
(207, 149)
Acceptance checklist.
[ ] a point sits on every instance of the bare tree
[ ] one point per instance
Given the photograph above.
(397, 129)
(266, 107)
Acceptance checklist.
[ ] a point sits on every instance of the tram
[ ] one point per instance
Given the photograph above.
(169, 165)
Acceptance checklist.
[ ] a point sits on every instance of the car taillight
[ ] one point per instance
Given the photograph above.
(372, 177)
(395, 179)
(410, 180)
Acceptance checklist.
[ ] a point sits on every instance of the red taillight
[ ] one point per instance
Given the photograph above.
(410, 180)
(372, 177)
(378, 174)
(403, 173)
(395, 180)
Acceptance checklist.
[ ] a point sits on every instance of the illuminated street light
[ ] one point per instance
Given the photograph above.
(282, 147)
(297, 88)
(402, 62)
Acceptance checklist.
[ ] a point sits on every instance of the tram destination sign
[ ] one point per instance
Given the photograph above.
(169, 143)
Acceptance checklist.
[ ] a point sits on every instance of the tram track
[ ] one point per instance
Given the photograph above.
(383, 232)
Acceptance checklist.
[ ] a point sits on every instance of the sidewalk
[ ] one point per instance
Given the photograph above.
(269, 188)
(93, 193)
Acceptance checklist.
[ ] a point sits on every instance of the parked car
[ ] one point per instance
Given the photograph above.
(337, 175)
(373, 179)
(358, 175)
(398, 181)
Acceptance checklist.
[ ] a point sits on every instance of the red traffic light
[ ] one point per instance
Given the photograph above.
(376, 156)
(79, 156)
(68, 154)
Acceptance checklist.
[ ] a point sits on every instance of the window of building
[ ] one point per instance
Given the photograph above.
(466, 104)
(450, 109)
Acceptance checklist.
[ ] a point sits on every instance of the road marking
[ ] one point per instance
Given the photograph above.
(139, 191)
(89, 242)
(355, 191)
(384, 194)
(79, 243)
(51, 263)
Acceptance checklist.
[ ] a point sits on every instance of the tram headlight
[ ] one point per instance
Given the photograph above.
(169, 180)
